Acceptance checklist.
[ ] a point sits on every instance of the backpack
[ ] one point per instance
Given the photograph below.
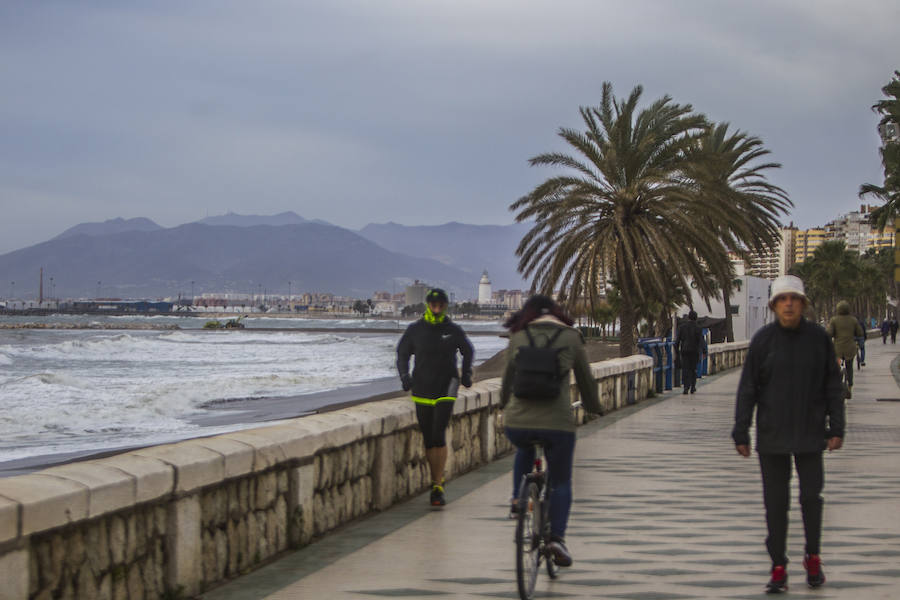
(537, 374)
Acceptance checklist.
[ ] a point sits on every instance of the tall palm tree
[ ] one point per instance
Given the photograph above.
(618, 208)
(725, 171)
(889, 193)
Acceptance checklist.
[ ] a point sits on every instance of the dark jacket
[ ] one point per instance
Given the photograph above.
(791, 377)
(689, 338)
(556, 414)
(434, 346)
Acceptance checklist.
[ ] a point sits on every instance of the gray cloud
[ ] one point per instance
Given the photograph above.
(416, 112)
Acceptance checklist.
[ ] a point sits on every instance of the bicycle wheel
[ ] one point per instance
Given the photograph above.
(528, 539)
(552, 569)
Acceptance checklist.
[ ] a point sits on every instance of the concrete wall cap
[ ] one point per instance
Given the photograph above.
(9, 520)
(109, 489)
(195, 466)
(46, 501)
(267, 452)
(238, 455)
(154, 478)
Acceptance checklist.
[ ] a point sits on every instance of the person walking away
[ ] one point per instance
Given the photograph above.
(844, 329)
(434, 340)
(885, 330)
(688, 344)
(791, 378)
(861, 342)
(543, 413)
(894, 327)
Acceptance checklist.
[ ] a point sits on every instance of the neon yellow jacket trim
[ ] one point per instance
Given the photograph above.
(432, 401)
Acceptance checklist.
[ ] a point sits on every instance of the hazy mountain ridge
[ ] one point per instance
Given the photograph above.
(110, 226)
(236, 220)
(253, 253)
(313, 257)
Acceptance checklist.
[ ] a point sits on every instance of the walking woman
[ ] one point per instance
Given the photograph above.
(550, 420)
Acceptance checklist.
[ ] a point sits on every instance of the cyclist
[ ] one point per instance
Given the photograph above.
(549, 421)
(434, 340)
(844, 329)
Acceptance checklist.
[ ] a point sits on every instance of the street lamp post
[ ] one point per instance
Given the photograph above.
(289, 296)
(98, 291)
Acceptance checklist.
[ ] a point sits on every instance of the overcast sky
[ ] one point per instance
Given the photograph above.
(418, 112)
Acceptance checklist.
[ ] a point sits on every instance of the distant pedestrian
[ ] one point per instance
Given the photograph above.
(845, 330)
(861, 342)
(791, 379)
(894, 327)
(434, 340)
(688, 345)
(885, 330)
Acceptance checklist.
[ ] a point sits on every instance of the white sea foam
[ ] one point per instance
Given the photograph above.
(75, 390)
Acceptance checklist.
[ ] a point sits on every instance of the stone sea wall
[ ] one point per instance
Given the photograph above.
(174, 520)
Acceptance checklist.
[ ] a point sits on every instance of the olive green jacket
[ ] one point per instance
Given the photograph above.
(844, 329)
(553, 414)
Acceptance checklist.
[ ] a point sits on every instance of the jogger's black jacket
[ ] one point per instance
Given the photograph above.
(434, 346)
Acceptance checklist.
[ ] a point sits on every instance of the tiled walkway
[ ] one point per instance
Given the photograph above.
(664, 508)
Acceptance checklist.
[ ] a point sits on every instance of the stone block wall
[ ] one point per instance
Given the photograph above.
(174, 520)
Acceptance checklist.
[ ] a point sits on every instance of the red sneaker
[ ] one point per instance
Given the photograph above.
(815, 576)
(778, 582)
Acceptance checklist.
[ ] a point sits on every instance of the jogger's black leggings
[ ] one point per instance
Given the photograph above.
(776, 476)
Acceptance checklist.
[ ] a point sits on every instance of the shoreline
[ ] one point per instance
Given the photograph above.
(246, 413)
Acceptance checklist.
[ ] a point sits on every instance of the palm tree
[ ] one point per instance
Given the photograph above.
(889, 193)
(829, 275)
(622, 209)
(726, 172)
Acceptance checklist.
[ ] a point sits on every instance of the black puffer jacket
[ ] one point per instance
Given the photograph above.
(791, 377)
(434, 346)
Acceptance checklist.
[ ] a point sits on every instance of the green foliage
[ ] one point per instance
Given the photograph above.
(413, 310)
(889, 192)
(362, 307)
(834, 273)
(651, 198)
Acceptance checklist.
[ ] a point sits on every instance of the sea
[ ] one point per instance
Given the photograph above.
(71, 392)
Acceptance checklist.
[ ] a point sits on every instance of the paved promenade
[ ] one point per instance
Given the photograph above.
(664, 508)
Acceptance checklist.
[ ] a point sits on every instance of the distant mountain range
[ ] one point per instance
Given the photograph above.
(250, 253)
(110, 227)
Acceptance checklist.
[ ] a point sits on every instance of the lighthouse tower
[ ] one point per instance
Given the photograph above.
(484, 289)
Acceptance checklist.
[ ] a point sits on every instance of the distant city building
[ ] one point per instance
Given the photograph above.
(511, 299)
(749, 306)
(484, 289)
(806, 242)
(415, 293)
(853, 228)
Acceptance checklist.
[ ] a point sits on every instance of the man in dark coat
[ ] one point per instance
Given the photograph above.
(434, 340)
(689, 343)
(791, 378)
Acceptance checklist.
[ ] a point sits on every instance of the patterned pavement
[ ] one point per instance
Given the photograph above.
(664, 509)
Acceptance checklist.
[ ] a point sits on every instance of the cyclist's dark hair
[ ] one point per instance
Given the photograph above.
(536, 306)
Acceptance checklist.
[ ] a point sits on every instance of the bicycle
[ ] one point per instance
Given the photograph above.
(533, 527)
